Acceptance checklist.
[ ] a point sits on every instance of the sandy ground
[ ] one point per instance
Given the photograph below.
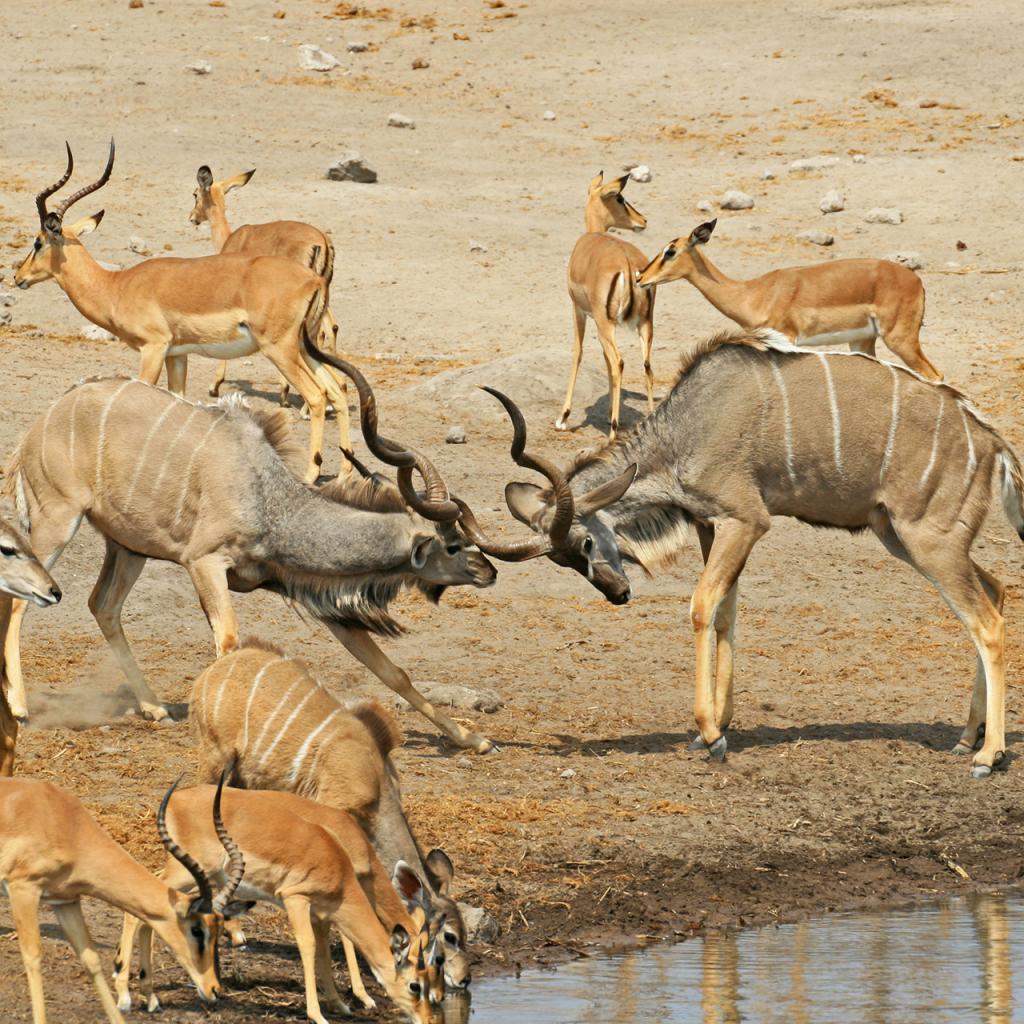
(853, 678)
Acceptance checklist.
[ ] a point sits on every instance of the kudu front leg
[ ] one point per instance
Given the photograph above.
(360, 645)
(732, 544)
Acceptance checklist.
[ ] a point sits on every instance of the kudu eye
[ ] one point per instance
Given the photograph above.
(454, 548)
(7, 552)
(451, 938)
(588, 545)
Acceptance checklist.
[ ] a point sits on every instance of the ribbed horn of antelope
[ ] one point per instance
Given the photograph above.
(88, 189)
(47, 192)
(236, 862)
(437, 505)
(186, 861)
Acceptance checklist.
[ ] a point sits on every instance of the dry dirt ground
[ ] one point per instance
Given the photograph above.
(853, 678)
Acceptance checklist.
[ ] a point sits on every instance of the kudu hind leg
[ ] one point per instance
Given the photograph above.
(579, 327)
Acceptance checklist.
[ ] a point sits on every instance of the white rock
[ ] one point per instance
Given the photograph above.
(136, 244)
(913, 260)
(312, 58)
(6, 316)
(7, 299)
(569, 773)
(736, 200)
(351, 167)
(883, 215)
(706, 206)
(357, 47)
(996, 297)
(454, 695)
(767, 174)
(549, 115)
(641, 173)
(814, 163)
(475, 246)
(455, 435)
(859, 158)
(816, 237)
(481, 927)
(95, 333)
(200, 67)
(400, 121)
(832, 201)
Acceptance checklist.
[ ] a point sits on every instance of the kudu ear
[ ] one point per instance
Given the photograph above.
(52, 225)
(700, 234)
(607, 494)
(408, 884)
(524, 502)
(440, 866)
(86, 224)
(204, 177)
(421, 544)
(237, 181)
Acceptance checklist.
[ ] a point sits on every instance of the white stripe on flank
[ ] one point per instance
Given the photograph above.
(101, 437)
(287, 725)
(894, 420)
(787, 423)
(170, 448)
(141, 460)
(972, 460)
(71, 427)
(187, 475)
(319, 750)
(43, 445)
(307, 743)
(248, 707)
(270, 718)
(833, 402)
(935, 441)
(220, 693)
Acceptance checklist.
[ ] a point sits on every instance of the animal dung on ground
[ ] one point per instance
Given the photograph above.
(912, 260)
(814, 163)
(884, 215)
(736, 200)
(832, 201)
(816, 237)
(352, 167)
(312, 58)
(400, 121)
(419, 64)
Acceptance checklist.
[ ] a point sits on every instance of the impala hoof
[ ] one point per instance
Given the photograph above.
(980, 771)
(560, 424)
(962, 748)
(124, 1003)
(717, 749)
(697, 743)
(154, 712)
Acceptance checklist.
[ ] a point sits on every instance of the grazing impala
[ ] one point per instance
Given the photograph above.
(300, 856)
(843, 302)
(266, 715)
(223, 307)
(602, 285)
(209, 487)
(52, 851)
(754, 428)
(290, 239)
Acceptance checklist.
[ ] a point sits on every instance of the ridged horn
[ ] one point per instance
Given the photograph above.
(236, 862)
(183, 858)
(88, 189)
(47, 192)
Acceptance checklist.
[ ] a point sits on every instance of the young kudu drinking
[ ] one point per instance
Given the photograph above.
(602, 285)
(842, 302)
(209, 487)
(754, 428)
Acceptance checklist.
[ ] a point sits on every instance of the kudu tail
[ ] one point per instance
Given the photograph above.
(1012, 489)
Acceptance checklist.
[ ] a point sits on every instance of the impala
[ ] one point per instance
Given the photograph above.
(843, 302)
(300, 856)
(210, 488)
(288, 238)
(754, 428)
(222, 307)
(52, 850)
(265, 716)
(602, 285)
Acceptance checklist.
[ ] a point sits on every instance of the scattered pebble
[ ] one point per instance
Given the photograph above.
(95, 333)
(357, 47)
(883, 215)
(5, 316)
(569, 773)
(960, 246)
(455, 435)
(463, 762)
(481, 928)
(706, 206)
(996, 297)
(832, 201)
(419, 64)
(912, 260)
(767, 174)
(736, 200)
(454, 695)
(351, 167)
(549, 115)
(200, 67)
(134, 5)
(859, 158)
(641, 173)
(136, 244)
(400, 121)
(816, 237)
(927, 102)
(7, 299)
(312, 58)
(475, 246)
(166, 723)
(814, 163)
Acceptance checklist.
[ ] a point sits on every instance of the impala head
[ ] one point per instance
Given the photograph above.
(606, 204)
(676, 259)
(572, 531)
(54, 241)
(21, 575)
(210, 193)
(200, 919)
(410, 989)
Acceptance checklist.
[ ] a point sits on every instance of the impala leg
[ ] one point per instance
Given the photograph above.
(123, 962)
(733, 542)
(336, 387)
(177, 374)
(218, 378)
(360, 645)
(298, 375)
(71, 920)
(298, 910)
(909, 350)
(25, 911)
(146, 968)
(613, 361)
(354, 976)
(210, 581)
(646, 331)
(8, 736)
(120, 572)
(325, 969)
(151, 361)
(579, 324)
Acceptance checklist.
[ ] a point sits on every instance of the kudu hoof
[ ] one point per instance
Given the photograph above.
(154, 712)
(488, 747)
(717, 749)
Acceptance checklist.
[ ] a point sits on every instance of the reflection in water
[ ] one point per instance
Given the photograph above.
(949, 963)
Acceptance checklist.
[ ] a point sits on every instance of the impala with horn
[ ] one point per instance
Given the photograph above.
(211, 488)
(843, 302)
(52, 851)
(290, 239)
(221, 307)
(755, 427)
(602, 285)
(297, 856)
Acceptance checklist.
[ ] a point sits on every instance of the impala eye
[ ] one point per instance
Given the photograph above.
(620, 200)
(7, 552)
(37, 245)
(415, 988)
(670, 253)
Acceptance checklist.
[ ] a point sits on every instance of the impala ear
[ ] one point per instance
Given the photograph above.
(86, 224)
(608, 493)
(237, 181)
(440, 866)
(204, 176)
(700, 234)
(400, 943)
(52, 225)
(596, 182)
(615, 186)
(524, 502)
(421, 549)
